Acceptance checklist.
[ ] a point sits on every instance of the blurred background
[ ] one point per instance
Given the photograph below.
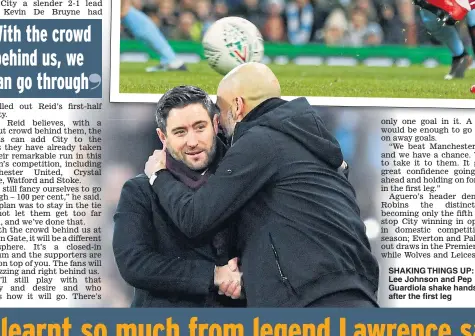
(353, 23)
(130, 138)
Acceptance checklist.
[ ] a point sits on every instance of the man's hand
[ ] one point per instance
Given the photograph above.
(157, 161)
(228, 279)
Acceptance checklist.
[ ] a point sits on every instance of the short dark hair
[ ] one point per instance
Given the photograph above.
(182, 96)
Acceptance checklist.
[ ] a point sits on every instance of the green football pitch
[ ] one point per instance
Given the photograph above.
(328, 81)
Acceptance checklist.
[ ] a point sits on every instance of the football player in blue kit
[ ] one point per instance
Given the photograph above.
(145, 30)
(439, 18)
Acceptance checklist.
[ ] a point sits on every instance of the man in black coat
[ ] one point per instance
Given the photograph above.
(167, 268)
(300, 237)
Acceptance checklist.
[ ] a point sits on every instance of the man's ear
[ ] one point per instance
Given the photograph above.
(215, 124)
(162, 136)
(239, 109)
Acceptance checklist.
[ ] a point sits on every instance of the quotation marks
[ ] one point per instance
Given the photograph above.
(95, 78)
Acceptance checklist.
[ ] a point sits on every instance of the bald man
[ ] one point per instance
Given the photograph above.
(298, 231)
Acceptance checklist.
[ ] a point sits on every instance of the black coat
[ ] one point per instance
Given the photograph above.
(166, 268)
(299, 231)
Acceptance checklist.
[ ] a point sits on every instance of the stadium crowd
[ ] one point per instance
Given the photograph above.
(330, 22)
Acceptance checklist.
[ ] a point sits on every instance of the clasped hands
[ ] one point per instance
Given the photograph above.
(228, 279)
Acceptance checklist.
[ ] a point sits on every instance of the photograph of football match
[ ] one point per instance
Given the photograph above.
(332, 48)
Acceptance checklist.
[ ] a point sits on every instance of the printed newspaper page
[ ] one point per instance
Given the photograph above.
(251, 154)
(51, 139)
